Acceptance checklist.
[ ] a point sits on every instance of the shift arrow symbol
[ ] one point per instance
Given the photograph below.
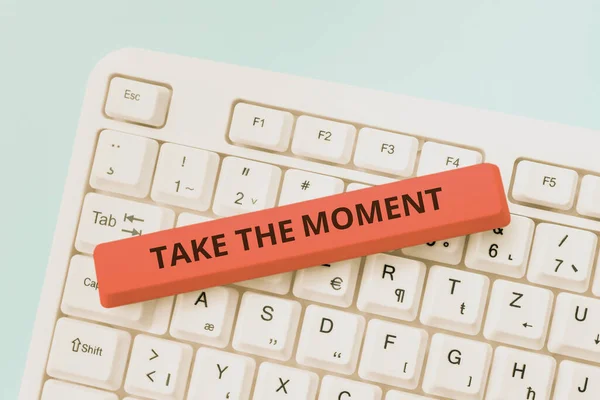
(149, 375)
(597, 339)
(526, 325)
(76, 344)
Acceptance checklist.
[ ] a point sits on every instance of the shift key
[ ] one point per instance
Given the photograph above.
(104, 219)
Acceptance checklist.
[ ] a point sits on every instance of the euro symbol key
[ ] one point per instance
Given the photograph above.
(336, 283)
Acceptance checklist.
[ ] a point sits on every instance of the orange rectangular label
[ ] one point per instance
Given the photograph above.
(281, 239)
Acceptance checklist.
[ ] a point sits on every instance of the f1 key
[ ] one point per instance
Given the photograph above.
(325, 230)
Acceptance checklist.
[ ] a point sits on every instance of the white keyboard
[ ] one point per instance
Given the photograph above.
(163, 141)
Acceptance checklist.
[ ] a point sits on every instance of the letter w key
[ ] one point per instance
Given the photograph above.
(469, 200)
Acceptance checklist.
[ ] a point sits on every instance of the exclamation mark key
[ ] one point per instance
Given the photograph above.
(185, 177)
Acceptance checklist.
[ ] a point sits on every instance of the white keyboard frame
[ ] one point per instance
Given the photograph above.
(204, 93)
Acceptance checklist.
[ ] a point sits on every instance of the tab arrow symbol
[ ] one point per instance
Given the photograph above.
(149, 375)
(154, 356)
(526, 325)
(597, 340)
(76, 344)
(133, 232)
(132, 218)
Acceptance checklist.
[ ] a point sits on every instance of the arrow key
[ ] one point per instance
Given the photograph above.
(158, 368)
(123, 163)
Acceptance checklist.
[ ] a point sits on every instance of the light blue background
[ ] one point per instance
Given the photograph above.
(539, 59)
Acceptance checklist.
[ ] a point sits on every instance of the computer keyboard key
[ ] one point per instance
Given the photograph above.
(58, 390)
(158, 368)
(396, 395)
(333, 387)
(356, 186)
(278, 283)
(323, 139)
(454, 300)
(447, 251)
(123, 163)
(391, 286)
(562, 257)
(266, 326)
(186, 218)
(205, 316)
(518, 374)
(577, 381)
(261, 127)
(544, 185)
(138, 102)
(393, 354)
(457, 368)
(104, 219)
(588, 203)
(518, 314)
(245, 186)
(596, 285)
(301, 186)
(502, 251)
(387, 152)
(575, 330)
(437, 157)
(81, 299)
(278, 382)
(89, 354)
(221, 375)
(330, 339)
(332, 284)
(185, 177)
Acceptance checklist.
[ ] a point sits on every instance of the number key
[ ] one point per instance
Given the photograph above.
(245, 186)
(123, 163)
(562, 257)
(447, 251)
(503, 251)
(185, 177)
